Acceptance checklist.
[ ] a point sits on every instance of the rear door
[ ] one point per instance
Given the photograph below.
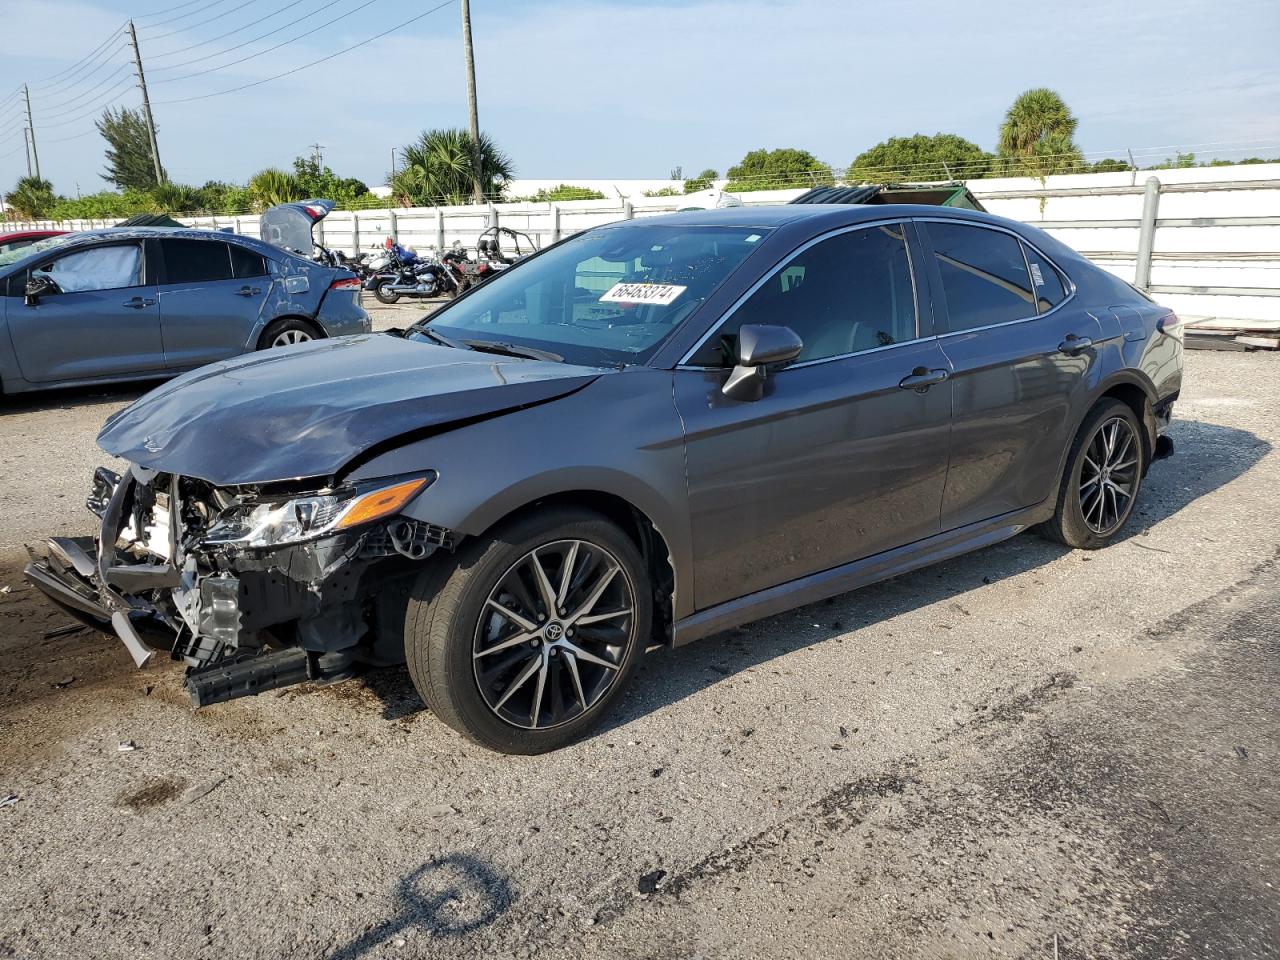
(844, 456)
(211, 296)
(103, 322)
(1020, 350)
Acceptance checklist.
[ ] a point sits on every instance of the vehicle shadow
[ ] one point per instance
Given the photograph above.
(69, 398)
(1208, 456)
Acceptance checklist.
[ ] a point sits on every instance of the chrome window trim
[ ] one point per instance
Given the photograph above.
(1069, 286)
(684, 363)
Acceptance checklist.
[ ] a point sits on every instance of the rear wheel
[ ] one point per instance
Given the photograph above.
(526, 639)
(287, 332)
(1103, 475)
(384, 293)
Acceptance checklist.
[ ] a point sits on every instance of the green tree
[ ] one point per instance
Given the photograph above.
(321, 182)
(438, 169)
(175, 198)
(105, 205)
(129, 164)
(273, 186)
(1036, 136)
(779, 169)
(564, 191)
(920, 157)
(1109, 165)
(702, 181)
(31, 199)
(224, 198)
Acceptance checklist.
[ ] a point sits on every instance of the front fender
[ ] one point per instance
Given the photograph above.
(619, 436)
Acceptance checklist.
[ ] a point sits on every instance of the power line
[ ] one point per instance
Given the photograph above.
(183, 16)
(46, 80)
(161, 13)
(114, 94)
(223, 36)
(192, 26)
(48, 111)
(283, 43)
(81, 73)
(314, 63)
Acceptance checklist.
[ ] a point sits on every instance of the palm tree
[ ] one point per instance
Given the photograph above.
(438, 169)
(31, 199)
(1036, 136)
(175, 197)
(273, 186)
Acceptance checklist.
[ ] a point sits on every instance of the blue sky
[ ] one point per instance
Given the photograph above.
(594, 88)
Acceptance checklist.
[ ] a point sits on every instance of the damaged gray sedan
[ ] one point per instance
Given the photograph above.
(645, 434)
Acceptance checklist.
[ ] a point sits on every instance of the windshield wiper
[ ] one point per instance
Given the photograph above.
(512, 350)
(435, 335)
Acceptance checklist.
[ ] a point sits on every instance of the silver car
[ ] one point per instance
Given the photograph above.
(144, 303)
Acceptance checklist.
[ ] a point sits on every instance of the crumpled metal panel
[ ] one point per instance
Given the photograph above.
(308, 410)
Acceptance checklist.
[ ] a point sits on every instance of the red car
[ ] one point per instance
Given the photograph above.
(23, 238)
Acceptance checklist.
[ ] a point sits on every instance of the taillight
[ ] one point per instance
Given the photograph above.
(1171, 325)
(345, 283)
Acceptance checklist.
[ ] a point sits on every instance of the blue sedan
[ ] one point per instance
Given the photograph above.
(142, 303)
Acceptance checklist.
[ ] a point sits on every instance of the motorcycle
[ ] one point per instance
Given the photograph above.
(467, 273)
(407, 274)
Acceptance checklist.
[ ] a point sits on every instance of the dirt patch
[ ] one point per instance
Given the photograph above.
(152, 793)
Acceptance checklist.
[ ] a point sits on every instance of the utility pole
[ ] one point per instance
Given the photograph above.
(32, 128)
(317, 155)
(476, 165)
(146, 105)
(393, 167)
(26, 140)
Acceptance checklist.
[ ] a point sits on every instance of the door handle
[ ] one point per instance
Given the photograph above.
(248, 291)
(137, 303)
(1074, 345)
(921, 379)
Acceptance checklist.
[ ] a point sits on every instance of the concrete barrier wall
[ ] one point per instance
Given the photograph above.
(1216, 242)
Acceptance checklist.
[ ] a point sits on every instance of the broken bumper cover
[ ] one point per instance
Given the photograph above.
(244, 619)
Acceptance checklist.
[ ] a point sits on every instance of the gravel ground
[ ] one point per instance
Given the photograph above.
(1025, 752)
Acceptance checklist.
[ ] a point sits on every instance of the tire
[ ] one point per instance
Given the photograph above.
(453, 632)
(385, 295)
(1078, 520)
(287, 332)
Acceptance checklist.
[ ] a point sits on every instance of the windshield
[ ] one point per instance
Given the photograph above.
(19, 253)
(608, 296)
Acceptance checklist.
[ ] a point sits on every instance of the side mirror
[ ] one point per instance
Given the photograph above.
(760, 346)
(38, 287)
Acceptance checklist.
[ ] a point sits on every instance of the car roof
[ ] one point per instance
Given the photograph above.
(826, 214)
(83, 238)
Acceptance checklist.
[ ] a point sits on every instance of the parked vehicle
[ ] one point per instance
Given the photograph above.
(489, 247)
(467, 272)
(410, 274)
(149, 302)
(648, 433)
(19, 239)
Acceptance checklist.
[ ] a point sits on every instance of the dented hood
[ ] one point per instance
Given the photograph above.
(308, 410)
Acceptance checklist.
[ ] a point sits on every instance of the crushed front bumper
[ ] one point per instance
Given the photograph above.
(243, 621)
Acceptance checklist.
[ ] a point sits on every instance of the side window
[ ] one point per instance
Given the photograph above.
(246, 263)
(1050, 290)
(848, 293)
(195, 261)
(984, 276)
(100, 268)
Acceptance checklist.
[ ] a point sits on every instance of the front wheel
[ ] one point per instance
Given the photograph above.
(523, 641)
(384, 293)
(1103, 475)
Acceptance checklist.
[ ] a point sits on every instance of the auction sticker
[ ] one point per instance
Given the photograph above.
(659, 293)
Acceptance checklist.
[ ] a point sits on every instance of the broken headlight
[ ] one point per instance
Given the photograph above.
(307, 517)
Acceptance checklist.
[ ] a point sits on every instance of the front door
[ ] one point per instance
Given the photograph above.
(102, 320)
(840, 459)
(1020, 352)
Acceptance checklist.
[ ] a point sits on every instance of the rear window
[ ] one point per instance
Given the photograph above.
(1050, 290)
(984, 275)
(246, 263)
(195, 261)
